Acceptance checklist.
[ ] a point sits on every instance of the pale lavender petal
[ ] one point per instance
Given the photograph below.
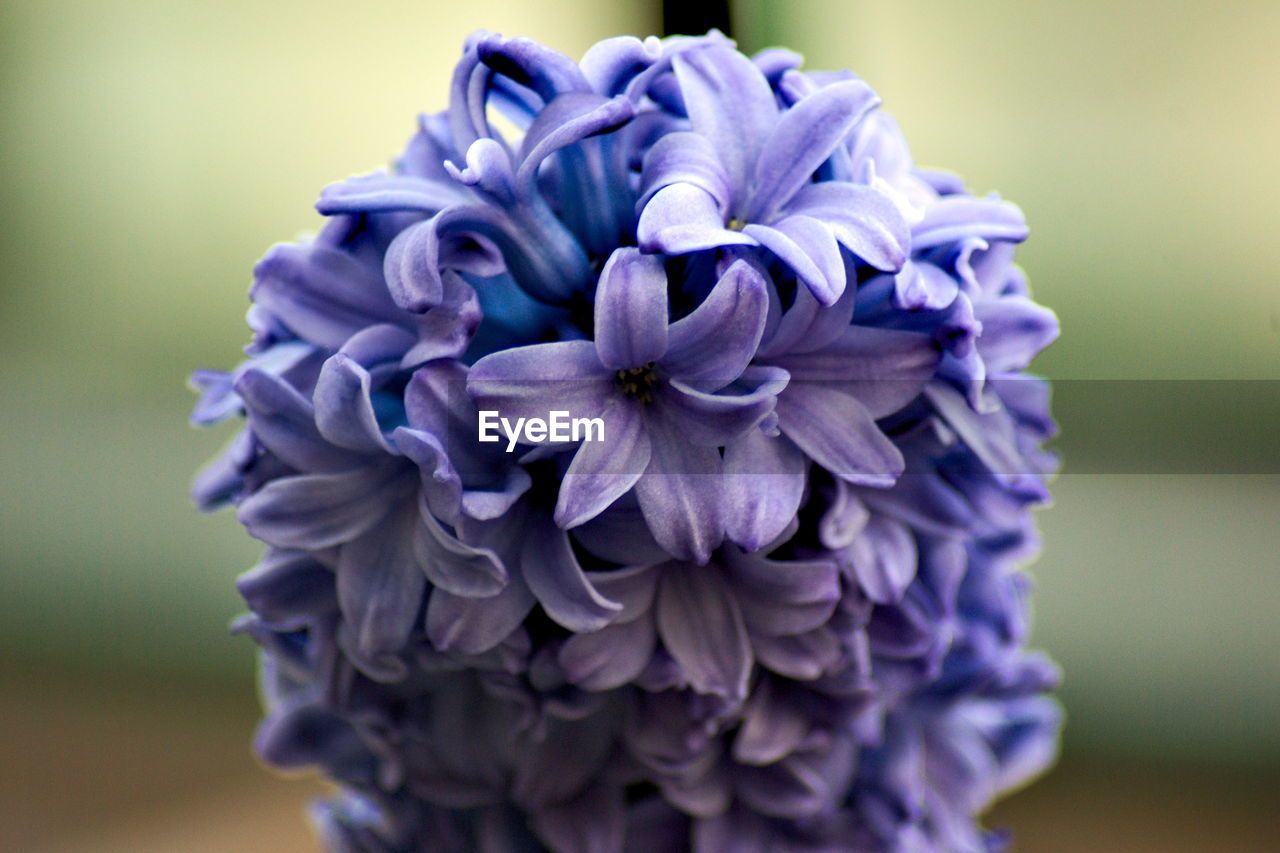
(452, 565)
(730, 103)
(603, 471)
(1014, 330)
(320, 510)
(713, 345)
(552, 572)
(800, 656)
(772, 726)
(844, 519)
(922, 286)
(461, 237)
(809, 247)
(838, 433)
(808, 325)
(284, 421)
(631, 310)
(530, 382)
(610, 64)
(632, 587)
(782, 597)
(681, 494)
(568, 119)
(684, 158)
(287, 589)
(683, 218)
(802, 140)
(619, 535)
(718, 419)
(380, 192)
(883, 559)
(956, 217)
(702, 628)
(883, 368)
(344, 409)
(864, 220)
(764, 481)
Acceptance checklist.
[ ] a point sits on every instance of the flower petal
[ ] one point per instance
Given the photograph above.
(683, 218)
(476, 625)
(316, 511)
(552, 572)
(530, 382)
(883, 559)
(603, 471)
(702, 628)
(956, 217)
(864, 220)
(711, 346)
(684, 158)
(631, 310)
(610, 657)
(285, 422)
(838, 433)
(764, 484)
(809, 247)
(681, 494)
(802, 140)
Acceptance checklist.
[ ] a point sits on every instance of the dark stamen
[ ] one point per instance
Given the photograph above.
(637, 382)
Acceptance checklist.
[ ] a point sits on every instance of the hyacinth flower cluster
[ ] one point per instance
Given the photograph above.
(774, 604)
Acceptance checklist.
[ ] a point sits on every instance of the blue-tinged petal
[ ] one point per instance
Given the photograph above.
(844, 518)
(956, 217)
(764, 480)
(288, 589)
(610, 657)
(922, 286)
(882, 559)
(729, 102)
(684, 158)
(301, 733)
(683, 218)
(631, 310)
(545, 71)
(989, 436)
(489, 171)
(568, 119)
(317, 511)
(883, 368)
(344, 410)
(718, 419)
(711, 347)
(603, 471)
(464, 237)
(838, 433)
(681, 494)
(441, 484)
(807, 325)
(619, 535)
(380, 585)
(702, 628)
(1014, 330)
(864, 220)
(285, 422)
(530, 382)
(471, 571)
(611, 64)
(804, 137)
(445, 331)
(323, 294)
(221, 479)
(552, 572)
(780, 597)
(809, 247)
(476, 625)
(380, 193)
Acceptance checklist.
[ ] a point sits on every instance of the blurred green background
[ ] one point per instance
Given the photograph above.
(153, 150)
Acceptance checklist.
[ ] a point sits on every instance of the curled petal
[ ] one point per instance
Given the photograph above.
(702, 628)
(631, 310)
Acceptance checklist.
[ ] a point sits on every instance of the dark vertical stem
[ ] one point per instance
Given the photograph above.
(695, 17)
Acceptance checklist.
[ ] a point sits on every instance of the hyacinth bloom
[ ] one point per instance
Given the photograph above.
(773, 603)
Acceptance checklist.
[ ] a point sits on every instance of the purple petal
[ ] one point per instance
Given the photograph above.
(610, 64)
(475, 625)
(287, 589)
(445, 330)
(547, 72)
(631, 310)
(730, 103)
(681, 494)
(713, 345)
(610, 657)
(883, 559)
(603, 471)
(317, 511)
(530, 382)
(764, 484)
(380, 193)
(380, 585)
(844, 519)
(619, 535)
(453, 565)
(809, 247)
(807, 325)
(772, 727)
(552, 572)
(284, 421)
(923, 286)
(593, 822)
(684, 158)
(683, 218)
(569, 118)
(802, 140)
(702, 628)
(1014, 330)
(461, 237)
(956, 217)
(325, 295)
(883, 368)
(344, 409)
(864, 220)
(632, 587)
(800, 656)
(838, 433)
(718, 419)
(783, 597)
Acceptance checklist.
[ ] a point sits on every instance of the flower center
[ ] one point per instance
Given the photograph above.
(736, 224)
(637, 382)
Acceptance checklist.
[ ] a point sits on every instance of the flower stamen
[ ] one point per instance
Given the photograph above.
(637, 382)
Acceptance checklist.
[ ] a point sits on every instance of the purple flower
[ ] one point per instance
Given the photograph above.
(771, 599)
